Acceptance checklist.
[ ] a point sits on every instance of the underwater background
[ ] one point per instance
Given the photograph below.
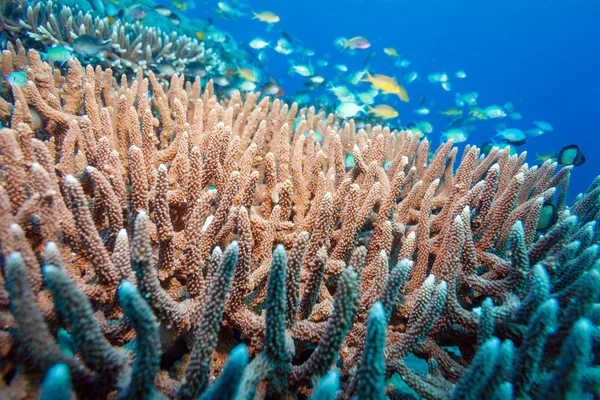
(541, 55)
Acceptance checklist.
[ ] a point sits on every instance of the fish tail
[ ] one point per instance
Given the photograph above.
(368, 78)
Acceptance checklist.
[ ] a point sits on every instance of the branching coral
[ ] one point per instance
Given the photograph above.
(196, 248)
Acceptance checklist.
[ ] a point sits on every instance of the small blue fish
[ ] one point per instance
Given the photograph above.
(59, 54)
(17, 78)
(349, 161)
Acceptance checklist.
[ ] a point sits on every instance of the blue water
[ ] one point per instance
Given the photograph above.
(543, 56)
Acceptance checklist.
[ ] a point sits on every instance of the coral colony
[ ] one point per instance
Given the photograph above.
(159, 242)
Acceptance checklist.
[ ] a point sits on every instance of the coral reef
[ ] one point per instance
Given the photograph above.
(133, 45)
(186, 247)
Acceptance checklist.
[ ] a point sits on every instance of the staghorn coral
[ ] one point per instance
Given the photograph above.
(330, 280)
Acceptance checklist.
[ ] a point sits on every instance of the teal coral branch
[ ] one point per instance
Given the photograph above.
(328, 387)
(95, 350)
(228, 383)
(148, 345)
(195, 379)
(57, 384)
(337, 326)
(39, 348)
(371, 373)
(275, 342)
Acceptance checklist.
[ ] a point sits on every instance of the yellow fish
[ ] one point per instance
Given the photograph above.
(545, 157)
(181, 6)
(383, 111)
(247, 73)
(266, 16)
(390, 51)
(200, 35)
(111, 20)
(452, 111)
(477, 114)
(387, 85)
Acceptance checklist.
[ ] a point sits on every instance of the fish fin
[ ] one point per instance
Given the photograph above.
(368, 78)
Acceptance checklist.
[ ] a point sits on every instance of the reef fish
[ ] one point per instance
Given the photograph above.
(571, 155)
(357, 42)
(383, 111)
(89, 45)
(387, 85)
(266, 16)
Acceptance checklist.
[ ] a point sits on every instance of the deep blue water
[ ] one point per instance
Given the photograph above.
(543, 56)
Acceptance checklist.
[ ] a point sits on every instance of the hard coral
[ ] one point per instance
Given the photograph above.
(164, 235)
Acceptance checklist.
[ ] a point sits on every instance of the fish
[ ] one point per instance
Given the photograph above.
(494, 111)
(99, 6)
(383, 111)
(89, 45)
(342, 93)
(512, 135)
(200, 35)
(452, 111)
(258, 43)
(368, 58)
(535, 132)
(162, 10)
(247, 74)
(411, 77)
(461, 74)
(425, 127)
(509, 107)
(220, 80)
(571, 155)
(137, 12)
(267, 17)
(348, 110)
(357, 42)
(341, 68)
(356, 77)
(283, 47)
(446, 86)
(272, 88)
(438, 77)
(390, 51)
(542, 158)
(59, 54)
(466, 99)
(339, 42)
(349, 162)
(456, 135)
(368, 97)
(545, 126)
(548, 216)
(217, 36)
(180, 5)
(247, 86)
(515, 116)
(165, 68)
(422, 111)
(317, 79)
(196, 68)
(322, 63)
(17, 78)
(402, 63)
(289, 37)
(387, 85)
(174, 18)
(300, 69)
